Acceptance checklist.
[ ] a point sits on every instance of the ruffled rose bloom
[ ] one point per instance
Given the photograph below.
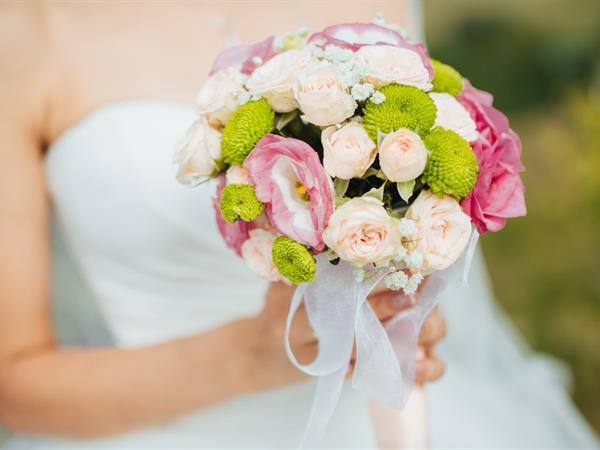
(362, 232)
(275, 79)
(290, 180)
(322, 96)
(356, 35)
(499, 192)
(195, 153)
(217, 96)
(442, 231)
(256, 253)
(237, 175)
(243, 57)
(347, 152)
(453, 116)
(234, 234)
(385, 64)
(402, 155)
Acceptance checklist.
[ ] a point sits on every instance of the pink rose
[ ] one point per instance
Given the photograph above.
(402, 155)
(290, 180)
(442, 230)
(257, 254)
(240, 57)
(362, 232)
(385, 64)
(453, 116)
(234, 234)
(322, 97)
(499, 192)
(347, 152)
(357, 35)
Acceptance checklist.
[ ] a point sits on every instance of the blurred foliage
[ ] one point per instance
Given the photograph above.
(541, 60)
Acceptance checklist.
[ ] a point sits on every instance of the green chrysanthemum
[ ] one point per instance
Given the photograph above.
(293, 260)
(403, 107)
(244, 128)
(238, 201)
(446, 78)
(452, 166)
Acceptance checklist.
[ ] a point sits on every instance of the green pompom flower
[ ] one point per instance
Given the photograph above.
(293, 260)
(244, 128)
(403, 107)
(452, 166)
(238, 201)
(446, 78)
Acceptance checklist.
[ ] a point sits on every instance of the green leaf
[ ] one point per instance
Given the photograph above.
(406, 189)
(372, 171)
(340, 186)
(339, 201)
(377, 193)
(285, 118)
(220, 164)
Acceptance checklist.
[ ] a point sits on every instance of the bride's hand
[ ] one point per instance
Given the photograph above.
(271, 367)
(429, 366)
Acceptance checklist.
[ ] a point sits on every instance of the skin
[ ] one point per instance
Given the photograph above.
(60, 62)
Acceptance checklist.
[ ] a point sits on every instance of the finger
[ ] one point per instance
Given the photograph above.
(429, 369)
(386, 305)
(433, 329)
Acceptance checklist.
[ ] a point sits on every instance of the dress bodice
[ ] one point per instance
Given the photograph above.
(147, 246)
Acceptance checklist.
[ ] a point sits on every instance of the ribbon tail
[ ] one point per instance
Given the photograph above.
(469, 257)
(327, 395)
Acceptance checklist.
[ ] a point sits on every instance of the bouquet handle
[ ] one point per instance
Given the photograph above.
(403, 429)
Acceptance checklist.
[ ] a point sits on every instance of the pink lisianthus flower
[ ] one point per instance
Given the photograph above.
(234, 234)
(499, 193)
(356, 35)
(290, 180)
(241, 57)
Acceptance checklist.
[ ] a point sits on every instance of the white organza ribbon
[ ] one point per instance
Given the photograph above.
(340, 315)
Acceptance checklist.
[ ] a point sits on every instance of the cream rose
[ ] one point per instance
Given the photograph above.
(385, 64)
(453, 116)
(322, 96)
(361, 232)
(402, 155)
(347, 152)
(195, 153)
(217, 96)
(237, 174)
(256, 253)
(443, 230)
(275, 79)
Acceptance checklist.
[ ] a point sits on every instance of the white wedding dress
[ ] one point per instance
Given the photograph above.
(146, 252)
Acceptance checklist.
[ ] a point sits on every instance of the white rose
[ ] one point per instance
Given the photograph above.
(322, 96)
(402, 155)
(361, 232)
(453, 116)
(347, 152)
(217, 98)
(195, 153)
(275, 79)
(256, 253)
(384, 64)
(443, 230)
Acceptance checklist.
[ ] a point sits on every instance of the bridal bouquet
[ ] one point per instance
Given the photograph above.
(343, 159)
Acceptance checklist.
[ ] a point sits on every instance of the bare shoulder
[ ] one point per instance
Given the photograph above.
(25, 54)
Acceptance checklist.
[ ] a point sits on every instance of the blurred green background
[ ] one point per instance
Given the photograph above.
(541, 60)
